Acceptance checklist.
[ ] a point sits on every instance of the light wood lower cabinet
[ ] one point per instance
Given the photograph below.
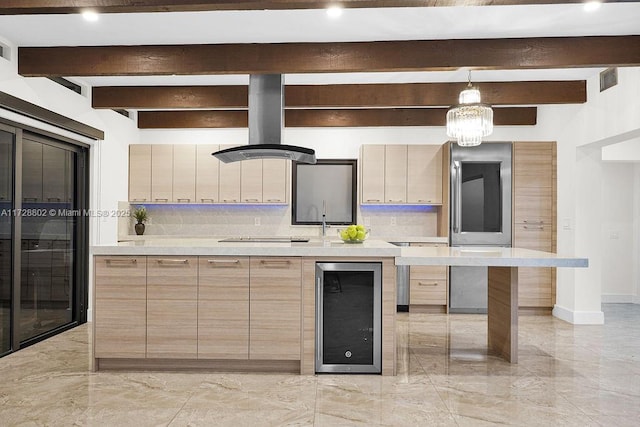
(120, 313)
(172, 307)
(428, 284)
(223, 308)
(275, 307)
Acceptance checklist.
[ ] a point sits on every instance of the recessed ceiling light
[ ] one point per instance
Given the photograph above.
(90, 15)
(592, 5)
(334, 11)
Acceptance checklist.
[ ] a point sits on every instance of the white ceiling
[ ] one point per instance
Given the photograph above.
(316, 26)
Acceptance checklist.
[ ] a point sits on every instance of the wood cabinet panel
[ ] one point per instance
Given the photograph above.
(161, 173)
(372, 173)
(229, 180)
(172, 307)
(532, 205)
(31, 171)
(251, 181)
(140, 172)
(55, 167)
(207, 169)
(274, 181)
(428, 271)
(275, 333)
(184, 173)
(120, 322)
(428, 291)
(530, 291)
(424, 174)
(223, 308)
(395, 174)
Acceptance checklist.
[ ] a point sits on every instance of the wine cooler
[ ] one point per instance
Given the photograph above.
(348, 317)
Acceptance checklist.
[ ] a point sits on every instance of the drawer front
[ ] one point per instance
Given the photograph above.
(172, 278)
(533, 236)
(428, 272)
(430, 291)
(120, 277)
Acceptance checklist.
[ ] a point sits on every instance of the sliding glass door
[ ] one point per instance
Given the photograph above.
(43, 232)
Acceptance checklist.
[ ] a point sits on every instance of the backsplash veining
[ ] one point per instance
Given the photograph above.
(274, 220)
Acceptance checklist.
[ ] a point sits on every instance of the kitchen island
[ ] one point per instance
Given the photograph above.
(203, 304)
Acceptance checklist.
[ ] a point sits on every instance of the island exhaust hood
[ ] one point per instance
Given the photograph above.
(266, 121)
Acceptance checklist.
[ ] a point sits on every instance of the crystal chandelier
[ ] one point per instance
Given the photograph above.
(470, 120)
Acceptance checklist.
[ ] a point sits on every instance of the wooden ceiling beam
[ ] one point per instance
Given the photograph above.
(508, 116)
(25, 7)
(390, 56)
(341, 96)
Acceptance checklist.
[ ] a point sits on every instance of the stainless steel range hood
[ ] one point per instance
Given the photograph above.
(266, 121)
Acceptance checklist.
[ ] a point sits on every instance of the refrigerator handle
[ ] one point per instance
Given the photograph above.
(457, 188)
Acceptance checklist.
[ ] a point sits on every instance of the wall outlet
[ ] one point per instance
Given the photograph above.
(393, 220)
(566, 223)
(256, 221)
(367, 221)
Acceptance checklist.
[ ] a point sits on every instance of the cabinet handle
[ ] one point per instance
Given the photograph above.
(229, 200)
(224, 261)
(373, 200)
(526, 221)
(184, 200)
(172, 261)
(251, 200)
(275, 261)
(395, 201)
(30, 199)
(427, 284)
(161, 200)
(274, 200)
(53, 199)
(537, 227)
(207, 200)
(138, 200)
(121, 261)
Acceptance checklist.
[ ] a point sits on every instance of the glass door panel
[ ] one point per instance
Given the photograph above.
(48, 227)
(6, 224)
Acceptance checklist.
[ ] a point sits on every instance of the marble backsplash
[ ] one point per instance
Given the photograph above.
(272, 220)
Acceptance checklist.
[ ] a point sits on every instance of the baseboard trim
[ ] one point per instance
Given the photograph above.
(618, 299)
(578, 317)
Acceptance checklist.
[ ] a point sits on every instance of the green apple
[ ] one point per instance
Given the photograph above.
(360, 227)
(344, 235)
(361, 234)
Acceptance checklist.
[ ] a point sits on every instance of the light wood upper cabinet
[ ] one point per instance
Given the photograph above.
(207, 169)
(161, 173)
(274, 180)
(424, 174)
(223, 308)
(251, 181)
(120, 322)
(31, 171)
(534, 217)
(56, 181)
(184, 173)
(400, 174)
(6, 166)
(275, 333)
(229, 180)
(140, 173)
(395, 173)
(172, 307)
(372, 173)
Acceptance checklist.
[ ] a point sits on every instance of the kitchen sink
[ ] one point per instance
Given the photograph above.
(265, 239)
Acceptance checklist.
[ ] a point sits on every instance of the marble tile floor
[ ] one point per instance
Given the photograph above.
(567, 376)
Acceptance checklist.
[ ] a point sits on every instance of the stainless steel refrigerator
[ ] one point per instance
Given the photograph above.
(480, 183)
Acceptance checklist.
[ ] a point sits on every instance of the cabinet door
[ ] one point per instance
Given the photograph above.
(140, 173)
(395, 174)
(428, 284)
(184, 173)
(31, 171)
(251, 181)
(172, 307)
(372, 173)
(6, 166)
(55, 168)
(229, 180)
(120, 310)
(223, 308)
(274, 181)
(424, 174)
(275, 298)
(161, 173)
(206, 174)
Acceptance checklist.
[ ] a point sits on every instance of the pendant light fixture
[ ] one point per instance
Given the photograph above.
(470, 120)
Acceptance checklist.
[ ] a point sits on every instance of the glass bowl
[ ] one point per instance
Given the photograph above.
(359, 238)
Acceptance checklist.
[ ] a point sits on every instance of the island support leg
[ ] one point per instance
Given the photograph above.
(502, 312)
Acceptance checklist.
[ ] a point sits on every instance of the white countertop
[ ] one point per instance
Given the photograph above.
(486, 256)
(213, 247)
(477, 256)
